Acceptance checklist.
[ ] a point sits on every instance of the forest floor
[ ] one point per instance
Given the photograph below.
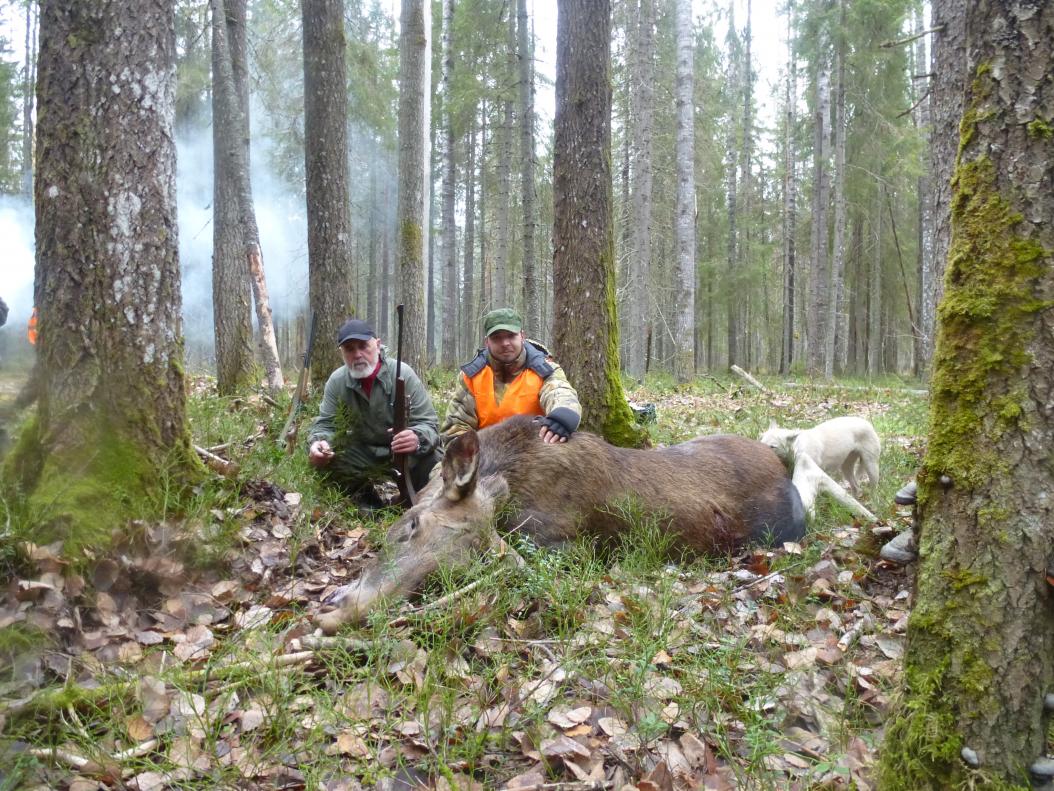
(184, 657)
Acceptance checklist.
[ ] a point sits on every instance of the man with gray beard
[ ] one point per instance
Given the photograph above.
(351, 441)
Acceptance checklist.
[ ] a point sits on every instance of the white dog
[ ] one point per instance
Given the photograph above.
(836, 445)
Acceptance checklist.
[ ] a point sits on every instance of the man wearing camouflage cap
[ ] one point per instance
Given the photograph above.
(512, 376)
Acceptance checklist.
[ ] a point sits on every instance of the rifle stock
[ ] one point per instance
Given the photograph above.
(401, 461)
(291, 428)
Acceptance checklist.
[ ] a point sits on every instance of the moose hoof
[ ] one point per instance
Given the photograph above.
(330, 622)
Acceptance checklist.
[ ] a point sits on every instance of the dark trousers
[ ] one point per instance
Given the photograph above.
(354, 470)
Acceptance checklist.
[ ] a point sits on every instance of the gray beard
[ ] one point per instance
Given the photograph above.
(364, 373)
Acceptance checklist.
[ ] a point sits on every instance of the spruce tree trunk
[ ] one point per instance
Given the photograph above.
(532, 282)
(332, 294)
(836, 300)
(874, 291)
(469, 320)
(448, 356)
(684, 229)
(732, 263)
(642, 111)
(500, 270)
(586, 336)
(948, 68)
(230, 65)
(28, 84)
(412, 213)
(231, 292)
(111, 427)
(741, 301)
(820, 274)
(980, 637)
(789, 196)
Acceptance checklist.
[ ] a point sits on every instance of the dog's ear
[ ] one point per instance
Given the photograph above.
(772, 425)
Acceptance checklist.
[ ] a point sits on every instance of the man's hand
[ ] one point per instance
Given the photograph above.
(549, 436)
(558, 425)
(319, 454)
(406, 441)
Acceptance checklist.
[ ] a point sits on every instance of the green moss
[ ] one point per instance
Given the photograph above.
(1040, 128)
(619, 427)
(987, 323)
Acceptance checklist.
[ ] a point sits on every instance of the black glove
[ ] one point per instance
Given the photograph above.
(561, 421)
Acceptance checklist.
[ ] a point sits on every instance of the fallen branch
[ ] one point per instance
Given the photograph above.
(226, 468)
(583, 785)
(750, 379)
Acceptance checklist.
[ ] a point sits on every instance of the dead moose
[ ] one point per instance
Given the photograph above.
(714, 493)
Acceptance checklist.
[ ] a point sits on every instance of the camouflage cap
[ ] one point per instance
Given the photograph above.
(502, 319)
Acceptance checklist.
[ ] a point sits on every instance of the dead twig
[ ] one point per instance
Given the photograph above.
(226, 468)
(748, 378)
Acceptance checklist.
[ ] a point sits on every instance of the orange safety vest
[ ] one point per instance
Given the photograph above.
(520, 398)
(31, 330)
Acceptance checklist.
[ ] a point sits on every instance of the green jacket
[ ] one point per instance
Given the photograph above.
(347, 417)
(556, 390)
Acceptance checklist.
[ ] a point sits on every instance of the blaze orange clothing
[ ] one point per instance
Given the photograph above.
(520, 398)
(31, 330)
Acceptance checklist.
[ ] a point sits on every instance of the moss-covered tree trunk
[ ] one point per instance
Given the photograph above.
(586, 327)
(330, 281)
(981, 637)
(111, 425)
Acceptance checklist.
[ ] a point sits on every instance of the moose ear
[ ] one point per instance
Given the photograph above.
(460, 465)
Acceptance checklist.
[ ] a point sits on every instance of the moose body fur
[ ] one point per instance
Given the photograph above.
(712, 493)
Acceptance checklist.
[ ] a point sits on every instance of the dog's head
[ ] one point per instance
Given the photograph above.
(781, 440)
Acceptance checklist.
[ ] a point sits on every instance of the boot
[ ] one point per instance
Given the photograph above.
(901, 549)
(906, 494)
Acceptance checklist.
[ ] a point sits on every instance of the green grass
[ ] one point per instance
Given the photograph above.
(663, 643)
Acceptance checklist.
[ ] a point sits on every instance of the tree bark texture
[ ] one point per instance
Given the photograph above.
(820, 274)
(469, 320)
(330, 282)
(448, 353)
(532, 282)
(684, 364)
(231, 67)
(734, 339)
(874, 291)
(586, 335)
(835, 331)
(503, 243)
(231, 291)
(28, 81)
(414, 70)
(948, 61)
(789, 208)
(112, 408)
(979, 640)
(642, 113)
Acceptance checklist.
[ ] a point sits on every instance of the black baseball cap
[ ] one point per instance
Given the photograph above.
(354, 329)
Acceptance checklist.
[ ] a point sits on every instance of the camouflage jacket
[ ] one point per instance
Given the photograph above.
(556, 390)
(347, 417)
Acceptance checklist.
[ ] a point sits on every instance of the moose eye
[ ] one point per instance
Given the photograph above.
(409, 531)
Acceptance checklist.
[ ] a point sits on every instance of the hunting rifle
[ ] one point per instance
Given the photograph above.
(291, 427)
(401, 461)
